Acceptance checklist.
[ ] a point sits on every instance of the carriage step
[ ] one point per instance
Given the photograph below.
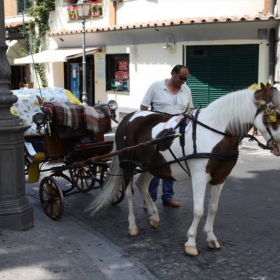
(33, 169)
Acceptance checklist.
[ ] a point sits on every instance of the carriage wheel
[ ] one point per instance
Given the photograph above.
(84, 177)
(51, 198)
(121, 192)
(120, 196)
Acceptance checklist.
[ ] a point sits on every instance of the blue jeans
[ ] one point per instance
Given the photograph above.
(167, 189)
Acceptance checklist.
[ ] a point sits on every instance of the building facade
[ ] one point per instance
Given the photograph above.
(227, 45)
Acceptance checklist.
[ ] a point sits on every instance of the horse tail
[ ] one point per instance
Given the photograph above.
(109, 189)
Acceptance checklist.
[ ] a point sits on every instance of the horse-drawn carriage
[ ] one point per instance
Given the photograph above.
(63, 131)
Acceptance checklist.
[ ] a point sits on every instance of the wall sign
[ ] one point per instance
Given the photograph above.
(100, 67)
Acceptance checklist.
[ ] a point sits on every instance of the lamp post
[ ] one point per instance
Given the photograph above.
(16, 212)
(83, 7)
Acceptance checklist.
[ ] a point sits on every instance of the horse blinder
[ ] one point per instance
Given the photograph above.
(271, 116)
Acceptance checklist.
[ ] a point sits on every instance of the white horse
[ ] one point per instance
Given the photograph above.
(206, 153)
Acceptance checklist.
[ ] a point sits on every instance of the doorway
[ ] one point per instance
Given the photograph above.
(70, 84)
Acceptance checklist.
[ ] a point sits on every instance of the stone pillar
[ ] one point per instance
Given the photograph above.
(16, 212)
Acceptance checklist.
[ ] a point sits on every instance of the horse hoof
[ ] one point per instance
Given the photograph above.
(153, 224)
(133, 231)
(191, 250)
(213, 245)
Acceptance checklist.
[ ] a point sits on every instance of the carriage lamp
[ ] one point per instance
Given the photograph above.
(38, 118)
(83, 7)
(113, 105)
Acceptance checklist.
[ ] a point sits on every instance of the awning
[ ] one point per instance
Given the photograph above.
(15, 49)
(50, 56)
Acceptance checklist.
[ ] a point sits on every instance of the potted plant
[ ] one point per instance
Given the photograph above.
(96, 8)
(72, 12)
(100, 7)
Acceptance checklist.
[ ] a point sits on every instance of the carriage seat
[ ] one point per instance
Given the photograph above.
(78, 118)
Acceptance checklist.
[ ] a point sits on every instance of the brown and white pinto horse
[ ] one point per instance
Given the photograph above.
(208, 155)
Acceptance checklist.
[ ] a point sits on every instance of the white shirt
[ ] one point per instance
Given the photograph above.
(163, 101)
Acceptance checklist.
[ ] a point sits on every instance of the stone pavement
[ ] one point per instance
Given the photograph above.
(69, 249)
(66, 249)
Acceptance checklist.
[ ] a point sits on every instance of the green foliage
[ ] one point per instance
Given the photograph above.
(38, 27)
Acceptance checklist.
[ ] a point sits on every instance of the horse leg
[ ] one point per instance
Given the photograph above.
(132, 228)
(212, 242)
(142, 183)
(198, 187)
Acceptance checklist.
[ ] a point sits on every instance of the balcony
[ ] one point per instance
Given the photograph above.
(96, 10)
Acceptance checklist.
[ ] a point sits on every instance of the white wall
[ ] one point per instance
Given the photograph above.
(59, 20)
(56, 71)
(152, 62)
(131, 11)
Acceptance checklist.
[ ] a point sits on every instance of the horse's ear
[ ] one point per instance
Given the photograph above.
(258, 94)
(268, 91)
(264, 87)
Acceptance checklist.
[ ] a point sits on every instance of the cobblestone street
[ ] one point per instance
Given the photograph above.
(247, 226)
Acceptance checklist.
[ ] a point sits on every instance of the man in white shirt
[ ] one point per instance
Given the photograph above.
(170, 96)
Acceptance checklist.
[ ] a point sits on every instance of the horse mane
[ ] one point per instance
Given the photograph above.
(233, 109)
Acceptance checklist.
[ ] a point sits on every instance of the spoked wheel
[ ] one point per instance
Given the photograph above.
(51, 198)
(120, 195)
(121, 192)
(84, 177)
(27, 161)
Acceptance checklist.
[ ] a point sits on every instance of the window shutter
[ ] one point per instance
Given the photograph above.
(218, 70)
(197, 62)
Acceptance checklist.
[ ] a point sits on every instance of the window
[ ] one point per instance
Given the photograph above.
(23, 5)
(218, 69)
(117, 72)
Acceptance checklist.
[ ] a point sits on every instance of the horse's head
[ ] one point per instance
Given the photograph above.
(267, 119)
(268, 94)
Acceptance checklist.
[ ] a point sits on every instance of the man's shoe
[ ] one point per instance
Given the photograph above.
(171, 203)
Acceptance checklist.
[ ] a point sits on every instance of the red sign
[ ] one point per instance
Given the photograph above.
(123, 65)
(122, 73)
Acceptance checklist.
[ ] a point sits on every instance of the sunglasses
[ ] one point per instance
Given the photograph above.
(182, 78)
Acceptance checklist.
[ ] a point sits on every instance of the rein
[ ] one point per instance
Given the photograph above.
(260, 144)
(196, 155)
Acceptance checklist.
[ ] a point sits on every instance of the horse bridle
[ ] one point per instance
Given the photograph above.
(270, 115)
